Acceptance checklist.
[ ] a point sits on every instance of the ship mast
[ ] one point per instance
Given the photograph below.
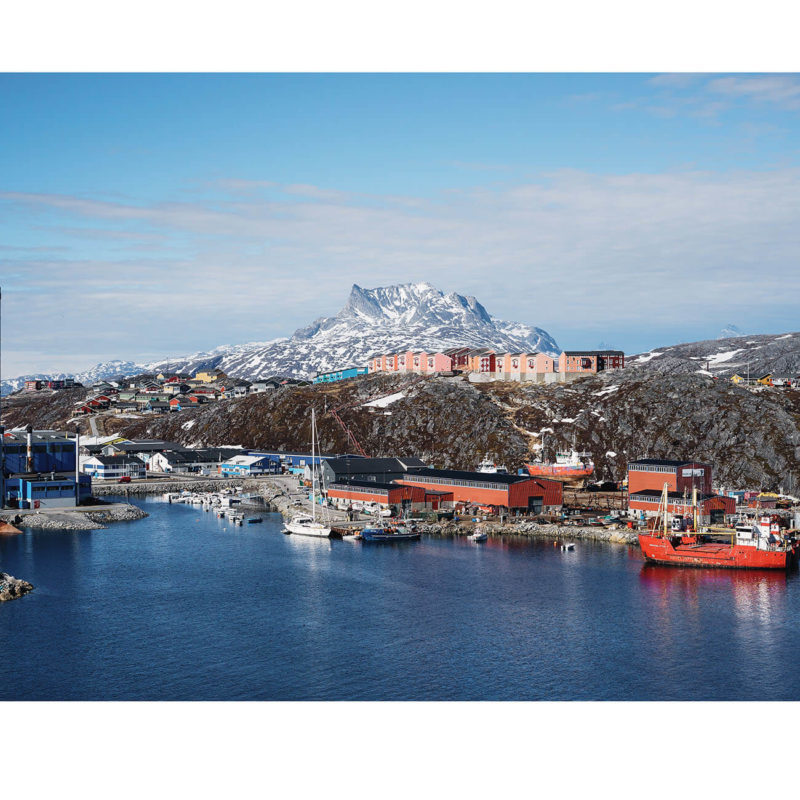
(313, 470)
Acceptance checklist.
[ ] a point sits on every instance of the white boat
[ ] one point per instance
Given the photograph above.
(303, 524)
(567, 546)
(487, 465)
(478, 536)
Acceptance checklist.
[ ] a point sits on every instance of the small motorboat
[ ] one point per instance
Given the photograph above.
(255, 519)
(567, 546)
(478, 536)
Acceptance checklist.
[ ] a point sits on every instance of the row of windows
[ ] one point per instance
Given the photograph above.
(651, 468)
(456, 482)
(359, 489)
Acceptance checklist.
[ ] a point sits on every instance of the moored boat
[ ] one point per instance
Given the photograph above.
(753, 549)
(400, 533)
(305, 524)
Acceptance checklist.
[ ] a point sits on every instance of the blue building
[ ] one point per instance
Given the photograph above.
(37, 469)
(249, 465)
(340, 374)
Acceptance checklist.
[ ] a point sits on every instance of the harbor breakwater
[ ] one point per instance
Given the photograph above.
(75, 519)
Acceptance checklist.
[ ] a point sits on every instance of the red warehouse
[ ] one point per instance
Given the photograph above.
(514, 492)
(653, 473)
(388, 494)
(711, 508)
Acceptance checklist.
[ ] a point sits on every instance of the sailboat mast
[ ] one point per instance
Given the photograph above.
(313, 470)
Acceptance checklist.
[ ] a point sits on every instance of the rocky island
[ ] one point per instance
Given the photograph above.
(11, 588)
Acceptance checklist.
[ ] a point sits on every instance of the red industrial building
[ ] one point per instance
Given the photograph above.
(415, 498)
(653, 473)
(514, 492)
(646, 479)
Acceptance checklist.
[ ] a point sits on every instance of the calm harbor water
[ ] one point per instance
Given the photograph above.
(183, 606)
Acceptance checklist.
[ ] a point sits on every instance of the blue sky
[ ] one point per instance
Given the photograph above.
(151, 215)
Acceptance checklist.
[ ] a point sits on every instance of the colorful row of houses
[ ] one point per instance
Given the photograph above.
(488, 364)
(162, 393)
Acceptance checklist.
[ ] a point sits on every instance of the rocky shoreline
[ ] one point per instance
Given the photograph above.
(161, 487)
(76, 520)
(534, 530)
(11, 588)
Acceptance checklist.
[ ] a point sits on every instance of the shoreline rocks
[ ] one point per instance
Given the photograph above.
(11, 588)
(76, 520)
(535, 531)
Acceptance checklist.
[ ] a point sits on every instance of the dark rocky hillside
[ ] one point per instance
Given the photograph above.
(777, 353)
(752, 436)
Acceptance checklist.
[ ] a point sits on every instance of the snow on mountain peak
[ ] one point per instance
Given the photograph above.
(372, 321)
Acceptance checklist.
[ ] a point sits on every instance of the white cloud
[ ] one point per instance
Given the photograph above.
(781, 90)
(569, 251)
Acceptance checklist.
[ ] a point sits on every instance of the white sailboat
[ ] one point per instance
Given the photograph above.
(303, 524)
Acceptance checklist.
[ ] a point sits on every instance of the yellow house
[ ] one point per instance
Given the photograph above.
(209, 377)
(738, 379)
(765, 380)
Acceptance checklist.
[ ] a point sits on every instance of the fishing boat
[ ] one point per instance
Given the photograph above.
(745, 549)
(389, 534)
(570, 464)
(478, 536)
(487, 465)
(303, 524)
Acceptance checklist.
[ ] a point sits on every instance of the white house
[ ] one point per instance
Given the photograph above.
(111, 467)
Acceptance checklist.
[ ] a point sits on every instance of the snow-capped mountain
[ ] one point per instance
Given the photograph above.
(730, 332)
(373, 321)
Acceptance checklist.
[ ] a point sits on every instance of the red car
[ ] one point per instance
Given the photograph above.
(124, 479)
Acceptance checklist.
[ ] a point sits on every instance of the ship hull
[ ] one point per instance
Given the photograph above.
(558, 471)
(662, 550)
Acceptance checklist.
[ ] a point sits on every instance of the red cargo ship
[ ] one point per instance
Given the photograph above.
(747, 549)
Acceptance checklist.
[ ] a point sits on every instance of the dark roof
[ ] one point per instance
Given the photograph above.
(344, 466)
(594, 353)
(648, 494)
(409, 462)
(366, 484)
(661, 462)
(111, 461)
(478, 477)
(147, 445)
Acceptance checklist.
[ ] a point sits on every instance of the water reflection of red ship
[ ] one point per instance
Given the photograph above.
(658, 576)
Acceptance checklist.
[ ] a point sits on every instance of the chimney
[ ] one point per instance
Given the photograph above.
(29, 462)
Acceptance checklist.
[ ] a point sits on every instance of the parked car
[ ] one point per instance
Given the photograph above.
(124, 479)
